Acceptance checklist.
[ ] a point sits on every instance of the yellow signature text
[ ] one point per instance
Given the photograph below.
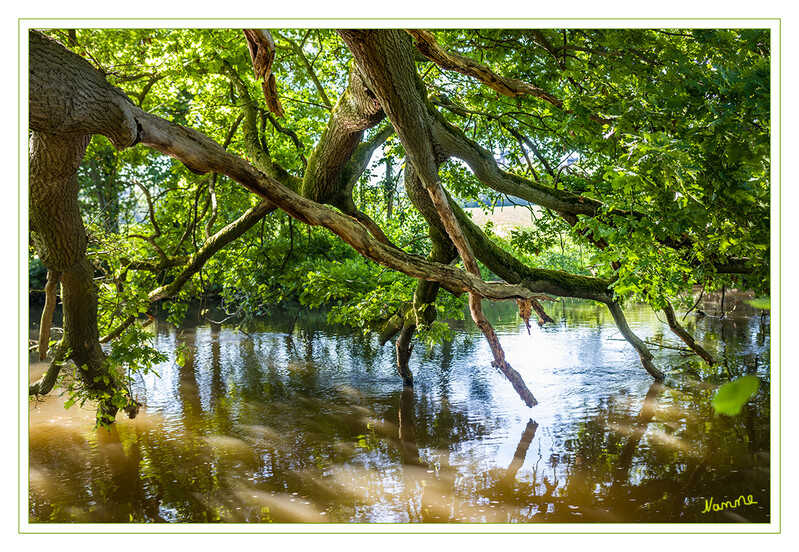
(742, 500)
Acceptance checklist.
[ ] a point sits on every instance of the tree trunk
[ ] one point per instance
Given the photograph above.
(60, 239)
(70, 101)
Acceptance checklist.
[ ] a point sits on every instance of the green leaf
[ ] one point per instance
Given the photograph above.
(732, 396)
(763, 303)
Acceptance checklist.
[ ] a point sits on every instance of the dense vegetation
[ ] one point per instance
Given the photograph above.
(346, 158)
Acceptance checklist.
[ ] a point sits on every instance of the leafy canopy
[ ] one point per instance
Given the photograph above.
(669, 130)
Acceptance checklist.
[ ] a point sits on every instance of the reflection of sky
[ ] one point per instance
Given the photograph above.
(159, 389)
(278, 416)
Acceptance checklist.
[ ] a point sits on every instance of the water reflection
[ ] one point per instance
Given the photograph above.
(315, 427)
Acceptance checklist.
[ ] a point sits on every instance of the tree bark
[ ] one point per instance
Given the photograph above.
(70, 101)
(68, 96)
(384, 59)
(683, 334)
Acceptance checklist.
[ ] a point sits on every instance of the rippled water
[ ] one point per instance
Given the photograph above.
(316, 427)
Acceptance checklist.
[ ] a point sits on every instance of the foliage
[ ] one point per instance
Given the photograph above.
(129, 356)
(686, 145)
(733, 395)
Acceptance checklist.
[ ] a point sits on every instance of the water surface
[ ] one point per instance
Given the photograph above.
(316, 427)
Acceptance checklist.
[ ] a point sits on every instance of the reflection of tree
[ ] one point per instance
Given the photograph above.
(644, 418)
(187, 390)
(407, 433)
(130, 495)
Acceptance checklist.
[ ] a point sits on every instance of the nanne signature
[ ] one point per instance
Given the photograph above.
(728, 504)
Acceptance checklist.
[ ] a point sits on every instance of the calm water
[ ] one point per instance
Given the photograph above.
(316, 427)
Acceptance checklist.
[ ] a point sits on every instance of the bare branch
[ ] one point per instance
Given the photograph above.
(51, 293)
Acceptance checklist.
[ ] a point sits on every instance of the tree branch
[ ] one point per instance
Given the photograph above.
(262, 52)
(50, 297)
(259, 156)
(309, 68)
(427, 44)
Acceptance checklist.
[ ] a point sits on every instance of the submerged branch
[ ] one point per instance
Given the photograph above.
(683, 334)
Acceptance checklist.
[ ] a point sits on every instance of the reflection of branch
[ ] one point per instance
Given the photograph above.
(645, 416)
(521, 450)
(698, 471)
(407, 436)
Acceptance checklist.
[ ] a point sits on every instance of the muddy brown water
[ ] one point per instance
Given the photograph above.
(317, 428)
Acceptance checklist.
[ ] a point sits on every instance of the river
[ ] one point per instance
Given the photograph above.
(316, 427)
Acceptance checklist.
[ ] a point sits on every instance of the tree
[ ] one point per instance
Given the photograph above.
(648, 148)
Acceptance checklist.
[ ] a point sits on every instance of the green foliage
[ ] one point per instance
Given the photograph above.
(358, 294)
(732, 396)
(763, 303)
(549, 243)
(132, 353)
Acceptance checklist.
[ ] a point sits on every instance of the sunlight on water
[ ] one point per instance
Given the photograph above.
(316, 428)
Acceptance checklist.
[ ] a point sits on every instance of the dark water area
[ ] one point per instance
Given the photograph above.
(316, 427)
